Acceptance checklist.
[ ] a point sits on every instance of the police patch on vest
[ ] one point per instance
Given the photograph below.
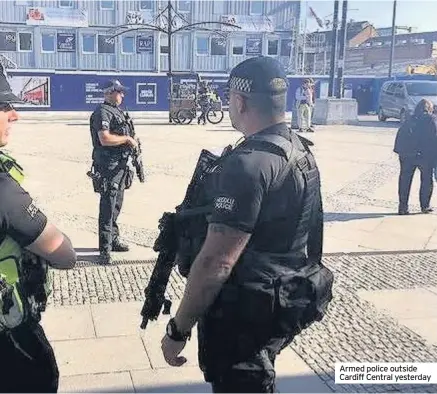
(224, 203)
(32, 209)
(105, 124)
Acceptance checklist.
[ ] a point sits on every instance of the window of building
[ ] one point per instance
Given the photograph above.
(66, 3)
(23, 2)
(218, 7)
(89, 43)
(256, 8)
(48, 42)
(218, 46)
(105, 44)
(273, 47)
(184, 5)
(8, 41)
(146, 5)
(164, 44)
(202, 45)
(107, 4)
(25, 42)
(286, 44)
(238, 46)
(128, 45)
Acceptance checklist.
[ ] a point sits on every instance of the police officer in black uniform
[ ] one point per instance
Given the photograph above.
(28, 243)
(204, 101)
(111, 150)
(264, 226)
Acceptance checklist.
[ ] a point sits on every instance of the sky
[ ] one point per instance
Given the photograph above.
(420, 14)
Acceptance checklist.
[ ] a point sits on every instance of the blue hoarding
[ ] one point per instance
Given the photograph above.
(82, 92)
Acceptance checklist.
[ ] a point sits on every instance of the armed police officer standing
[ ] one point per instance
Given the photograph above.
(257, 280)
(112, 146)
(28, 244)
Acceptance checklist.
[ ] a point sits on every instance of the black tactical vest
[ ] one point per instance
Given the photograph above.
(196, 206)
(284, 292)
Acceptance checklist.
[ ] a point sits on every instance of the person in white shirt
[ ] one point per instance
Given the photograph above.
(304, 104)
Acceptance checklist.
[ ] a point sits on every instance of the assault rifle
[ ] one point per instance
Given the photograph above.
(167, 245)
(137, 159)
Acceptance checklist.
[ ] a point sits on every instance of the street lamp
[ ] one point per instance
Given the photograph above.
(393, 33)
(169, 14)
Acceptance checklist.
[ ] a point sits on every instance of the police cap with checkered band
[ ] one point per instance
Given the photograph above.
(261, 74)
(114, 85)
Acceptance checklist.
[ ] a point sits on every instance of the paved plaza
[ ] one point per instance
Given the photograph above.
(385, 300)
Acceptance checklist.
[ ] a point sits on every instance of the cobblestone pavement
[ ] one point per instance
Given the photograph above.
(353, 330)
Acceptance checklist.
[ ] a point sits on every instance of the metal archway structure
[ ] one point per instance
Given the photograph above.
(166, 22)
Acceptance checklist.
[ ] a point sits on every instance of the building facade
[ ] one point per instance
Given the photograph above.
(78, 34)
(314, 48)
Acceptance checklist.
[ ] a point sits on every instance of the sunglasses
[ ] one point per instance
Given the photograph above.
(6, 107)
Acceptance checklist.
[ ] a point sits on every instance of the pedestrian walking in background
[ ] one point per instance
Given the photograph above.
(416, 145)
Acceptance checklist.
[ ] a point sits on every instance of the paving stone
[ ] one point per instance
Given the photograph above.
(117, 382)
(101, 355)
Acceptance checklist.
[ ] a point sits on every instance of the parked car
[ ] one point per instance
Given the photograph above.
(398, 99)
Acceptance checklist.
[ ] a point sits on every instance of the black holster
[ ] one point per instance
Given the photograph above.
(283, 306)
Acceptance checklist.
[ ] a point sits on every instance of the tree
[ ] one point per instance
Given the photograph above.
(170, 22)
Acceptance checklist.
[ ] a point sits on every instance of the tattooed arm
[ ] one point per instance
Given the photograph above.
(236, 205)
(211, 268)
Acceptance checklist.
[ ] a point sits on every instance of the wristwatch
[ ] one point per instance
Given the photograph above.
(175, 334)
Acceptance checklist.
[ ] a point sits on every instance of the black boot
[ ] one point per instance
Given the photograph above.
(118, 246)
(105, 257)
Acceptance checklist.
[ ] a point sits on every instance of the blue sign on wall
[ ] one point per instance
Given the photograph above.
(254, 46)
(66, 42)
(145, 44)
(146, 93)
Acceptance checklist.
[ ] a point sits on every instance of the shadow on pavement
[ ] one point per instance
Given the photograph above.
(86, 250)
(284, 384)
(376, 123)
(88, 257)
(136, 123)
(346, 216)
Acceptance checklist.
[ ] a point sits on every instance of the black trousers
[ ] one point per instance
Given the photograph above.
(204, 107)
(408, 167)
(32, 369)
(237, 359)
(111, 202)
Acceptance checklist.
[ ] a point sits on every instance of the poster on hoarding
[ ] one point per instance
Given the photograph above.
(34, 91)
(146, 93)
(93, 93)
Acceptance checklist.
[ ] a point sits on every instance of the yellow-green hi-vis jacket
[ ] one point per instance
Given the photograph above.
(17, 304)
